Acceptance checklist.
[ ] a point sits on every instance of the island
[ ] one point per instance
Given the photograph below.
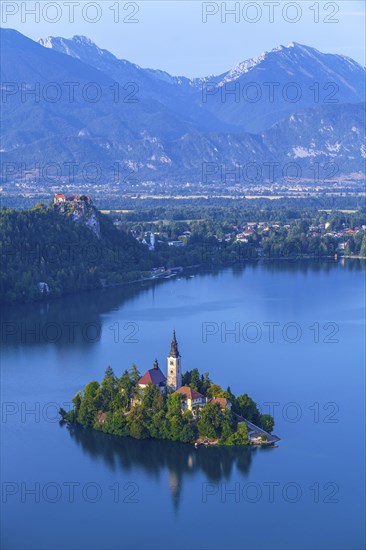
(184, 407)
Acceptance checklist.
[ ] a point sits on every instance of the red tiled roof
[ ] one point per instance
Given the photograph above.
(223, 402)
(152, 376)
(189, 393)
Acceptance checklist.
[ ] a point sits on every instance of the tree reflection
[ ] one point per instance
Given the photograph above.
(155, 456)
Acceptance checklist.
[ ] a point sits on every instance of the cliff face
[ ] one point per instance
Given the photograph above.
(81, 210)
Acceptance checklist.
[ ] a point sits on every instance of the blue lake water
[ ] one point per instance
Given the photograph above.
(289, 335)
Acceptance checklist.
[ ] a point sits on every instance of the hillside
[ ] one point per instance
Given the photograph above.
(63, 250)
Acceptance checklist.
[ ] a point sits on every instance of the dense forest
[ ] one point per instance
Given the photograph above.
(118, 406)
(42, 245)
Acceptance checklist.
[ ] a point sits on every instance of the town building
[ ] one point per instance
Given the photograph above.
(222, 401)
(191, 399)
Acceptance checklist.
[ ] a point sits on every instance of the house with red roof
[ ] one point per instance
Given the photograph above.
(222, 401)
(191, 398)
(59, 197)
(153, 376)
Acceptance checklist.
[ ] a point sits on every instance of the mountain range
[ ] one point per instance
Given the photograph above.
(69, 103)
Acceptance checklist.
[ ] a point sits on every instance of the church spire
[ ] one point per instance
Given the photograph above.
(174, 373)
(174, 347)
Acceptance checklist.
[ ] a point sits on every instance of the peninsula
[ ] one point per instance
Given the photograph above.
(178, 406)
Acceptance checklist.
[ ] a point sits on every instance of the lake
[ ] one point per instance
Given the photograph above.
(291, 335)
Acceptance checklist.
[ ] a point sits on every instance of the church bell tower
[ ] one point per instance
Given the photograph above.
(174, 366)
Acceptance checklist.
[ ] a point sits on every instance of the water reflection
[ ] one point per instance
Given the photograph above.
(75, 320)
(154, 456)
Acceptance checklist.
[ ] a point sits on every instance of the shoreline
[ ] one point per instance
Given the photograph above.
(200, 442)
(182, 269)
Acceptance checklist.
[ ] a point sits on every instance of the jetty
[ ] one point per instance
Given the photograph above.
(258, 436)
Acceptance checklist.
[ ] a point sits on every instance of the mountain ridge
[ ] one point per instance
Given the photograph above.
(169, 132)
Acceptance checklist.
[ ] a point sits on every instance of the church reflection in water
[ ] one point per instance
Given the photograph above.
(179, 460)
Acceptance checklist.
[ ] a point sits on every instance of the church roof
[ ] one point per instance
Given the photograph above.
(153, 376)
(189, 393)
(174, 347)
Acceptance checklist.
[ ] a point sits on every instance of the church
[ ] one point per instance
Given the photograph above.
(155, 376)
(191, 399)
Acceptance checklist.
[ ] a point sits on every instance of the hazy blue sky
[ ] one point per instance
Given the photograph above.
(172, 36)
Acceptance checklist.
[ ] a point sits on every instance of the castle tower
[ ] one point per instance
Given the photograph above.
(174, 366)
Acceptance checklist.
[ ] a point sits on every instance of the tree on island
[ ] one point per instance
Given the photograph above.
(134, 373)
(240, 437)
(267, 422)
(120, 407)
(89, 405)
(210, 423)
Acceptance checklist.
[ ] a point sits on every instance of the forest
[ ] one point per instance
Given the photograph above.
(42, 245)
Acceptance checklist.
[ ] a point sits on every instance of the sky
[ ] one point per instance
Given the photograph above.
(191, 37)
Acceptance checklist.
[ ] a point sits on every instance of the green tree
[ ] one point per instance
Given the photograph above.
(215, 391)
(266, 422)
(195, 382)
(76, 401)
(240, 437)
(135, 374)
(150, 396)
(363, 247)
(89, 405)
(109, 373)
(205, 383)
(116, 423)
(158, 426)
(246, 407)
(228, 423)
(125, 387)
(107, 389)
(210, 423)
(136, 421)
(174, 403)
